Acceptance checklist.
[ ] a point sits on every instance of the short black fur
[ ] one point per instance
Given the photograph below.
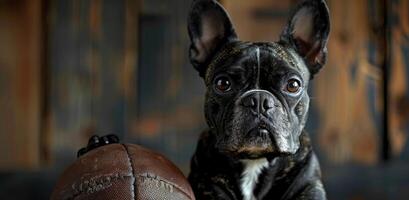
(256, 104)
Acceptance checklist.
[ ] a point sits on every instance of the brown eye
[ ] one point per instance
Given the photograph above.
(223, 84)
(293, 86)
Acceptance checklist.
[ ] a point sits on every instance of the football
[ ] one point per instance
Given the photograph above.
(122, 171)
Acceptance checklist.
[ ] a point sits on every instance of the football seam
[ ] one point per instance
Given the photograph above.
(98, 183)
(102, 182)
(132, 171)
(162, 180)
(95, 184)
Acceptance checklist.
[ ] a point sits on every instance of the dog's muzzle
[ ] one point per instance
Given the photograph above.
(270, 118)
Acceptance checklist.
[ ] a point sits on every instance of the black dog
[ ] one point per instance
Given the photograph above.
(256, 106)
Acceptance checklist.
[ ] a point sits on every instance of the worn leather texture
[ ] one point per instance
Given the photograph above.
(122, 171)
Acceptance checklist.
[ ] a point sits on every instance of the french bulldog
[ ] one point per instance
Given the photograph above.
(256, 106)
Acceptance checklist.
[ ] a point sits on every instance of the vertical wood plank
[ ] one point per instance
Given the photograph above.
(72, 74)
(21, 56)
(398, 80)
(348, 92)
(169, 99)
(260, 20)
(109, 101)
(45, 129)
(130, 73)
(90, 79)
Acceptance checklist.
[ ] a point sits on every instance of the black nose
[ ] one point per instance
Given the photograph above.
(258, 101)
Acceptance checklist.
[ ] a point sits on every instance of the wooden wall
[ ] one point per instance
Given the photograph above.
(398, 83)
(349, 94)
(74, 68)
(121, 67)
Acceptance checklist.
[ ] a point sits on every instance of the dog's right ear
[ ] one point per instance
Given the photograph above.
(307, 32)
(209, 28)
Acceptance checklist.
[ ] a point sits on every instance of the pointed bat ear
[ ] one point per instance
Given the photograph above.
(209, 28)
(307, 32)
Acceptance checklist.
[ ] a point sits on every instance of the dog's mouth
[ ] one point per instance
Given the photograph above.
(259, 136)
(261, 128)
(257, 141)
(262, 140)
(260, 131)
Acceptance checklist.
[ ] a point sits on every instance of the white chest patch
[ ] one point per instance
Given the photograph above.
(250, 175)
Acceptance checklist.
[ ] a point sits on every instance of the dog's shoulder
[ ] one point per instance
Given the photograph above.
(204, 150)
(207, 158)
(212, 175)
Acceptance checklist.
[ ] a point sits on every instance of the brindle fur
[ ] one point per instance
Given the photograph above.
(217, 176)
(257, 70)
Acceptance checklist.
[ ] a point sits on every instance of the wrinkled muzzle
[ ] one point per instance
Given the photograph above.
(264, 123)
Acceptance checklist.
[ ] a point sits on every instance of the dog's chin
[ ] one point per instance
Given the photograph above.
(255, 143)
(255, 152)
(250, 150)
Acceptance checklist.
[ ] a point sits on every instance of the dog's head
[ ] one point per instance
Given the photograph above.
(256, 100)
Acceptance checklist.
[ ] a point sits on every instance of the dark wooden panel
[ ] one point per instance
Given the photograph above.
(117, 71)
(21, 54)
(347, 94)
(73, 71)
(398, 79)
(260, 20)
(92, 66)
(170, 94)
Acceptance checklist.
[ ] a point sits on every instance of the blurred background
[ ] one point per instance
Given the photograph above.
(73, 68)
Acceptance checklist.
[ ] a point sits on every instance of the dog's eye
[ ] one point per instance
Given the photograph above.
(223, 84)
(293, 85)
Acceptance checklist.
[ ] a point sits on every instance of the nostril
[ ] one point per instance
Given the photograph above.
(267, 104)
(250, 102)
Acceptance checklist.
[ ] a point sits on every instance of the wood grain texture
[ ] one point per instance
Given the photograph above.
(21, 54)
(90, 63)
(72, 65)
(169, 99)
(347, 94)
(398, 80)
(260, 20)
(121, 67)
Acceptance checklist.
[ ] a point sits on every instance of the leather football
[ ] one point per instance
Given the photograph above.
(122, 171)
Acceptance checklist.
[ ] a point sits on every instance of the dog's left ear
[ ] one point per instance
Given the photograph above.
(209, 28)
(307, 32)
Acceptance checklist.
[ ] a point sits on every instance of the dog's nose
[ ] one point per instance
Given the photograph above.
(258, 101)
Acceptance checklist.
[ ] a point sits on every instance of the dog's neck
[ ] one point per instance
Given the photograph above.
(248, 178)
(250, 175)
